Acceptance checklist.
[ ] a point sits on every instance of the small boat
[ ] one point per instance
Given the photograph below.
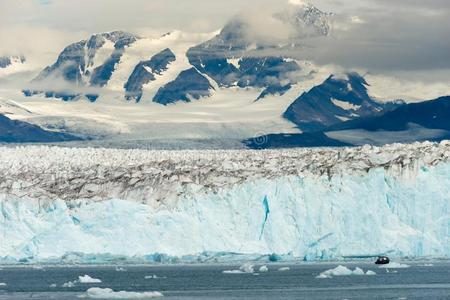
(382, 260)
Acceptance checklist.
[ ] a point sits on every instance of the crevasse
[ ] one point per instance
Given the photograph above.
(311, 217)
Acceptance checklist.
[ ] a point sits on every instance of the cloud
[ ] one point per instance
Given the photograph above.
(377, 35)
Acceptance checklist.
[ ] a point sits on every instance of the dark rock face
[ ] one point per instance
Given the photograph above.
(102, 74)
(265, 71)
(73, 63)
(235, 41)
(334, 101)
(434, 114)
(145, 72)
(12, 131)
(274, 89)
(274, 141)
(189, 84)
(211, 57)
(6, 61)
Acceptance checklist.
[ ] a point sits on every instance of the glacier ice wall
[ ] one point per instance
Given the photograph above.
(389, 200)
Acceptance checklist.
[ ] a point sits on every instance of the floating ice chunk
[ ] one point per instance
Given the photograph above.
(246, 268)
(263, 269)
(284, 269)
(3, 284)
(53, 285)
(88, 279)
(427, 265)
(99, 293)
(69, 284)
(233, 272)
(153, 277)
(38, 267)
(343, 271)
(394, 265)
(120, 269)
(358, 271)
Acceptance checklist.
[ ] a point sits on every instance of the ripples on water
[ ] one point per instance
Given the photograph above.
(421, 280)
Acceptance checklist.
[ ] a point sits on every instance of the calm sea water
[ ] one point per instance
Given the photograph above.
(420, 281)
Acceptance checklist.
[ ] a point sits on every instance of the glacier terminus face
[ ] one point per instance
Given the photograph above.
(98, 204)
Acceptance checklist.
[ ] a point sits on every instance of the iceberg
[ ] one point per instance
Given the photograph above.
(88, 279)
(246, 268)
(344, 271)
(263, 269)
(99, 293)
(106, 205)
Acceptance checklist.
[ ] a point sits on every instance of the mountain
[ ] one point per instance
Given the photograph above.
(235, 58)
(245, 81)
(428, 120)
(146, 71)
(231, 58)
(433, 114)
(13, 131)
(82, 64)
(336, 100)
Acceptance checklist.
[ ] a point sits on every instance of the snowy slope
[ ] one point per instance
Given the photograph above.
(313, 204)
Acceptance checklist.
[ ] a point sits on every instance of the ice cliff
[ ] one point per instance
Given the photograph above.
(307, 203)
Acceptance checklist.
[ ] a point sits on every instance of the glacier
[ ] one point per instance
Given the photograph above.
(97, 205)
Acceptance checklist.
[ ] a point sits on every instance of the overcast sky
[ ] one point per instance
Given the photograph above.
(389, 35)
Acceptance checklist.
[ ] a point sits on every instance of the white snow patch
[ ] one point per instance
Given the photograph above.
(345, 105)
(234, 62)
(343, 119)
(102, 55)
(99, 293)
(88, 279)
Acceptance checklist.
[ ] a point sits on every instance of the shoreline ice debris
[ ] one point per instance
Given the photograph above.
(60, 205)
(106, 293)
(344, 271)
